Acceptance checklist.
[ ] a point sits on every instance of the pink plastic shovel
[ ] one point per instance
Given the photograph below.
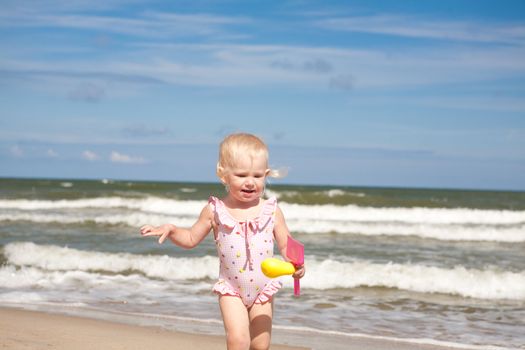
(295, 252)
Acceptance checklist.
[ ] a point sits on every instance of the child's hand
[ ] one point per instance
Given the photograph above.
(299, 272)
(164, 231)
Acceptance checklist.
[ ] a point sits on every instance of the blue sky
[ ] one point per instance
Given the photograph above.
(364, 93)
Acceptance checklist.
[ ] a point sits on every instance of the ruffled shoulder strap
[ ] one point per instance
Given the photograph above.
(220, 211)
(269, 207)
(212, 201)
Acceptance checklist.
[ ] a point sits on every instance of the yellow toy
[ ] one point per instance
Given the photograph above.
(273, 267)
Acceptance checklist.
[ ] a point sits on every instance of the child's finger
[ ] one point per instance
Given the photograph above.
(145, 229)
(152, 232)
(299, 273)
(163, 237)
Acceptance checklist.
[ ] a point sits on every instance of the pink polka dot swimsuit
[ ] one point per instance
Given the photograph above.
(242, 246)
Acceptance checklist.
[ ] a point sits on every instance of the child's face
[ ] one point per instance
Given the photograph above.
(247, 177)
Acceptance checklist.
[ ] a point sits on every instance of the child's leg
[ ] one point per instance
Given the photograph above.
(261, 325)
(236, 322)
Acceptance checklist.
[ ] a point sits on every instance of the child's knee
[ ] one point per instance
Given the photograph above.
(238, 340)
(261, 342)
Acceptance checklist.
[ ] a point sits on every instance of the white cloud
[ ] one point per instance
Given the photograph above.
(117, 157)
(39, 6)
(251, 65)
(89, 155)
(417, 27)
(148, 24)
(150, 59)
(222, 63)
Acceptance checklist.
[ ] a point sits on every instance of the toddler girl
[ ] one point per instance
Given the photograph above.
(245, 227)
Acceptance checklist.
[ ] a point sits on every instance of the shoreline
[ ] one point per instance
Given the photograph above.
(28, 329)
(23, 328)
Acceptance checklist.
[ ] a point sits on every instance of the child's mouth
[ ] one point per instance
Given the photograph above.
(248, 191)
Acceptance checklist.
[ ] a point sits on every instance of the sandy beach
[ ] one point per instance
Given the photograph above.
(21, 329)
(25, 329)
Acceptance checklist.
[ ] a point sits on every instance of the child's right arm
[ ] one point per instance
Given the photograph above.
(183, 237)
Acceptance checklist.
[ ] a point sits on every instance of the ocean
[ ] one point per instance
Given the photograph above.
(429, 266)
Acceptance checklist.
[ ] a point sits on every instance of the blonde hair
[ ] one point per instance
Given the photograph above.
(238, 144)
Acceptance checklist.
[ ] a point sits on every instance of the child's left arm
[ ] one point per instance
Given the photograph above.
(281, 233)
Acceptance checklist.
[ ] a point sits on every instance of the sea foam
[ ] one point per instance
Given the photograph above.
(326, 212)
(459, 224)
(55, 258)
(49, 262)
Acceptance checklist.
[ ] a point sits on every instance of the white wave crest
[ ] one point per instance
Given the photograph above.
(489, 233)
(472, 283)
(416, 215)
(54, 258)
(149, 204)
(489, 283)
(133, 220)
(326, 212)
